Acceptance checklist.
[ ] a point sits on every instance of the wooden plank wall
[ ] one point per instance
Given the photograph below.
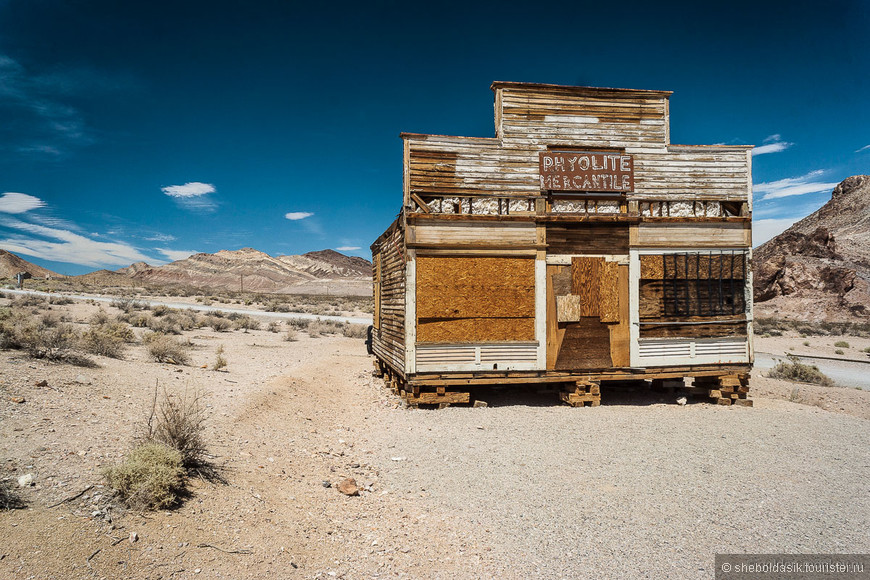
(389, 339)
(549, 115)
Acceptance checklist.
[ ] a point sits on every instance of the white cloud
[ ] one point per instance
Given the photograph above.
(66, 246)
(864, 148)
(298, 215)
(772, 144)
(347, 248)
(763, 230)
(12, 202)
(794, 186)
(176, 254)
(191, 189)
(160, 238)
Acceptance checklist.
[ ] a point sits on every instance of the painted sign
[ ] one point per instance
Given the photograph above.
(586, 171)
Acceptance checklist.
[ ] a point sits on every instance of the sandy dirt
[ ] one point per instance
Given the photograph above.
(639, 487)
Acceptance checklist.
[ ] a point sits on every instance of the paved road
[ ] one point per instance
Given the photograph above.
(202, 307)
(844, 373)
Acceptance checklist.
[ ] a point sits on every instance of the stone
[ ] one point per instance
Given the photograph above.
(682, 401)
(134, 537)
(18, 400)
(348, 487)
(42, 383)
(25, 480)
(325, 483)
(480, 404)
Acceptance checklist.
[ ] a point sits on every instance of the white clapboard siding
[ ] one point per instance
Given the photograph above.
(689, 351)
(476, 357)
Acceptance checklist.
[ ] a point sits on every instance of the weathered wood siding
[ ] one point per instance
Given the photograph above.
(541, 116)
(388, 340)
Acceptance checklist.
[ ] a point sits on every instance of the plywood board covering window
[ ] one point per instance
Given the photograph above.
(464, 299)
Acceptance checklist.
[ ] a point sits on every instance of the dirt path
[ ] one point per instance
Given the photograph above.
(639, 487)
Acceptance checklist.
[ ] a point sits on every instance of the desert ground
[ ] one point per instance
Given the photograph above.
(640, 487)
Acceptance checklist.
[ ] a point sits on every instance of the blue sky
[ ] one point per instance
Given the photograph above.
(151, 130)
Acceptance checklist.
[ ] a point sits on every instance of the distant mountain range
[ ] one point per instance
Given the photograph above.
(322, 272)
(819, 268)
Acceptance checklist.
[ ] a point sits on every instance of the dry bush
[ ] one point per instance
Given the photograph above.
(152, 476)
(291, 335)
(9, 500)
(355, 330)
(299, 323)
(167, 324)
(100, 317)
(245, 322)
(30, 300)
(126, 304)
(52, 342)
(841, 344)
(160, 310)
(796, 371)
(178, 421)
(220, 362)
(274, 326)
(135, 319)
(61, 300)
(167, 349)
(107, 339)
(321, 327)
(218, 324)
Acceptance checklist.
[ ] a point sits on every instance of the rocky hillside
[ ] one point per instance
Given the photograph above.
(248, 269)
(819, 268)
(10, 265)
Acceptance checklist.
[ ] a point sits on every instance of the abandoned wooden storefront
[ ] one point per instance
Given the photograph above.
(576, 246)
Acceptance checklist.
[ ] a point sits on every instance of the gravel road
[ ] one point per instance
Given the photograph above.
(637, 491)
(844, 373)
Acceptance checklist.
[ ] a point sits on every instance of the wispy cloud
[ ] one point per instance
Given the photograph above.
(192, 196)
(864, 148)
(65, 246)
(158, 237)
(809, 183)
(174, 255)
(41, 123)
(772, 144)
(347, 248)
(298, 215)
(13, 202)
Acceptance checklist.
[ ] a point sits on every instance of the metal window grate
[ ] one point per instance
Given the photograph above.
(704, 283)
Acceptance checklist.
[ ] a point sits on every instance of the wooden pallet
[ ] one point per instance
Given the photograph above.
(581, 394)
(724, 390)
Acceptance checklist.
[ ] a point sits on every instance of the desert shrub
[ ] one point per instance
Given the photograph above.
(245, 322)
(167, 324)
(839, 351)
(806, 343)
(61, 300)
(274, 326)
(866, 349)
(53, 342)
(151, 477)
(320, 327)
(126, 304)
(355, 330)
(8, 498)
(218, 324)
(50, 320)
(841, 344)
(107, 339)
(29, 301)
(136, 319)
(167, 349)
(299, 323)
(276, 306)
(178, 421)
(220, 362)
(291, 335)
(796, 371)
(99, 317)
(160, 310)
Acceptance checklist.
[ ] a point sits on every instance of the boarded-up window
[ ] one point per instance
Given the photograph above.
(475, 299)
(694, 287)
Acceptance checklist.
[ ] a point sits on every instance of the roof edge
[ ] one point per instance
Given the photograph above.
(579, 89)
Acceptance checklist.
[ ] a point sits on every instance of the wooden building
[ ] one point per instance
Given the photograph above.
(576, 246)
